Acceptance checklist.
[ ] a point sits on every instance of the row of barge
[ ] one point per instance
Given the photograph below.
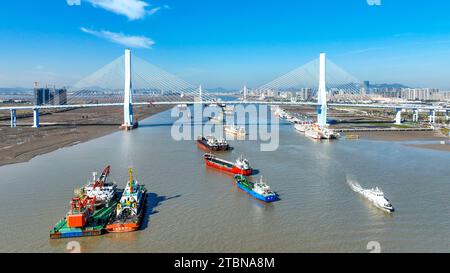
(101, 207)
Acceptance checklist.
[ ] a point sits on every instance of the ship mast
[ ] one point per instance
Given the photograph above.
(131, 180)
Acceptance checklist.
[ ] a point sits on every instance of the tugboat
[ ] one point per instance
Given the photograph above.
(212, 144)
(241, 166)
(258, 190)
(99, 188)
(130, 209)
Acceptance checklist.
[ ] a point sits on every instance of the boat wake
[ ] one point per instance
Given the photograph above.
(355, 186)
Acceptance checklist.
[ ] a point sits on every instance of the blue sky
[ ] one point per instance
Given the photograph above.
(226, 43)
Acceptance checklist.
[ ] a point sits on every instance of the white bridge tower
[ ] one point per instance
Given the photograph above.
(128, 118)
(322, 93)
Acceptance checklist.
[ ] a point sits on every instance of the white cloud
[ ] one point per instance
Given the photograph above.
(132, 9)
(122, 39)
(154, 10)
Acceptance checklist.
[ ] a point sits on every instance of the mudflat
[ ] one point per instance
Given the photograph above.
(62, 129)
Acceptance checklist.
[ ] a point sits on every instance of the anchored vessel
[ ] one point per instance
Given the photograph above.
(235, 130)
(259, 190)
(301, 127)
(316, 131)
(212, 144)
(130, 209)
(376, 196)
(99, 188)
(83, 219)
(241, 166)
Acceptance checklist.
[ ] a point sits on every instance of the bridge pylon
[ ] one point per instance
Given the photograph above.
(128, 119)
(322, 93)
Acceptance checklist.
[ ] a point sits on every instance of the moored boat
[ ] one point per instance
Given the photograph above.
(301, 127)
(259, 190)
(313, 132)
(130, 208)
(240, 166)
(83, 219)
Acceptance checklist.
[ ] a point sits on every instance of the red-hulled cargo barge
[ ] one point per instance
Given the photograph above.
(241, 166)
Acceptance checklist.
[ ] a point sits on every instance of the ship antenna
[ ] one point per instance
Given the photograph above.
(131, 180)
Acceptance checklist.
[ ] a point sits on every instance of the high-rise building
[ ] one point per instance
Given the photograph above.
(366, 88)
(49, 96)
(60, 96)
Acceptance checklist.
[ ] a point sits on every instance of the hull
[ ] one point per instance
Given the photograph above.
(94, 226)
(125, 227)
(266, 199)
(226, 168)
(313, 135)
(130, 224)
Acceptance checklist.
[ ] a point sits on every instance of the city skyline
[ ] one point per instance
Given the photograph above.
(60, 42)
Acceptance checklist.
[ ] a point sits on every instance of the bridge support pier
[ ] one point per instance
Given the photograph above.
(322, 93)
(13, 118)
(415, 115)
(398, 116)
(432, 117)
(36, 118)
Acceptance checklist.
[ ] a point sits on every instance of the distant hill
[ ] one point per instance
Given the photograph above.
(15, 90)
(220, 90)
(388, 85)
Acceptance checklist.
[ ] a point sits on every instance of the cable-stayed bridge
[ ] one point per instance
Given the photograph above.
(126, 82)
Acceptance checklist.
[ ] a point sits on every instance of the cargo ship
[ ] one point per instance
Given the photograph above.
(241, 166)
(212, 144)
(99, 188)
(130, 209)
(83, 219)
(259, 190)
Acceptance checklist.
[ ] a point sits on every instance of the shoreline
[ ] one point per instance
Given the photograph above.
(399, 136)
(23, 143)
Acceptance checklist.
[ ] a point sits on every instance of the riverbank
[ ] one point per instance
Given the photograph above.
(62, 129)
